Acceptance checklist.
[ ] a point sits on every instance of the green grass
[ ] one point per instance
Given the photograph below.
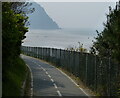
(27, 91)
(13, 78)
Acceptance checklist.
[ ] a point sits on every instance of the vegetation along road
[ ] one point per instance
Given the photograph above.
(49, 81)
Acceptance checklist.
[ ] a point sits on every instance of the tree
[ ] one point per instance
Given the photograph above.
(13, 30)
(107, 42)
(14, 27)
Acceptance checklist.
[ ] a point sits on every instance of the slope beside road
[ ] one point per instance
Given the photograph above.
(49, 81)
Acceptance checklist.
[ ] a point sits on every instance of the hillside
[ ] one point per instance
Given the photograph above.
(40, 19)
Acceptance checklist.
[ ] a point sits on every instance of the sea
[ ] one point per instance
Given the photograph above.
(60, 38)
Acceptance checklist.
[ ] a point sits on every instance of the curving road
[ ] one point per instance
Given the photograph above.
(49, 81)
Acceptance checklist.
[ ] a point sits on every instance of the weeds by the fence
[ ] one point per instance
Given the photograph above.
(102, 75)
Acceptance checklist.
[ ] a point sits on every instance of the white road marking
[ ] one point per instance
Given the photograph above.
(73, 82)
(49, 76)
(36, 63)
(69, 78)
(40, 68)
(46, 72)
(55, 85)
(44, 69)
(52, 80)
(59, 93)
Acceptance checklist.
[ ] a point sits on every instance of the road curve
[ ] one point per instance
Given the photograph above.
(49, 81)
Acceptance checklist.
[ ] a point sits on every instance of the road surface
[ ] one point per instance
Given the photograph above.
(49, 81)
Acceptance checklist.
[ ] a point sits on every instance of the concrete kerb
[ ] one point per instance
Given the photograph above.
(31, 81)
(66, 76)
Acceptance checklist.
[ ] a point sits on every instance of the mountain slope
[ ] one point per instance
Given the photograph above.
(40, 20)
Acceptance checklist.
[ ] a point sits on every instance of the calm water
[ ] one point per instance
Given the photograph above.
(63, 38)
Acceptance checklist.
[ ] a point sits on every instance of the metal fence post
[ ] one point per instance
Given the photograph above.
(100, 74)
(95, 89)
(32, 51)
(86, 69)
(37, 52)
(73, 65)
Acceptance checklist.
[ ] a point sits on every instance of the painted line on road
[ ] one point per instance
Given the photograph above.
(59, 93)
(49, 76)
(52, 80)
(70, 79)
(55, 85)
(46, 72)
(43, 68)
(36, 63)
(73, 81)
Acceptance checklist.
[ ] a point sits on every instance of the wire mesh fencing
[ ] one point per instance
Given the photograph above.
(102, 75)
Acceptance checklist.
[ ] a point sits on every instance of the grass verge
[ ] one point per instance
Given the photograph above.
(13, 78)
(27, 88)
(73, 77)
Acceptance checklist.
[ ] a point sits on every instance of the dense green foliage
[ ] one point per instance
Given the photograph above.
(13, 30)
(14, 22)
(13, 78)
(107, 43)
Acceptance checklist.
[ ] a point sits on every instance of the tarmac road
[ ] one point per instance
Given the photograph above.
(49, 81)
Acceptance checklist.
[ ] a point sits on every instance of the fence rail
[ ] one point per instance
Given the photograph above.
(102, 75)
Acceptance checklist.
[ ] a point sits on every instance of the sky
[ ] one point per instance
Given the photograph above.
(83, 15)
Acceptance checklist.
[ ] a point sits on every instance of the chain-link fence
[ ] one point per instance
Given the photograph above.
(102, 75)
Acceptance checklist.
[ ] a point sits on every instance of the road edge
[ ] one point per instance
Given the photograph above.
(72, 80)
(31, 76)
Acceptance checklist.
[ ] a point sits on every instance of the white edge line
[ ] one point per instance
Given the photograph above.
(46, 72)
(59, 93)
(52, 80)
(70, 79)
(49, 76)
(73, 81)
(55, 85)
(31, 80)
(43, 69)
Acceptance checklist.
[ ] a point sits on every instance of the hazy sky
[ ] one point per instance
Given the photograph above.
(78, 14)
